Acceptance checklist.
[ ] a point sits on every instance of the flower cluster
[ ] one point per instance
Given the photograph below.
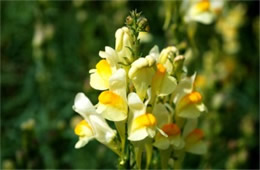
(151, 101)
(203, 11)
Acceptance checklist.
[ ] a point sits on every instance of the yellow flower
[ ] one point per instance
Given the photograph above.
(99, 78)
(142, 127)
(203, 11)
(174, 137)
(194, 143)
(162, 83)
(190, 105)
(112, 103)
(93, 125)
(188, 102)
(140, 124)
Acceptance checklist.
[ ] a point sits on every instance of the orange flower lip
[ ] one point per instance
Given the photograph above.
(112, 99)
(203, 5)
(195, 97)
(171, 129)
(161, 69)
(81, 128)
(195, 136)
(145, 120)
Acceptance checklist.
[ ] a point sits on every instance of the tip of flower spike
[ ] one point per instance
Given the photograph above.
(171, 129)
(161, 68)
(195, 97)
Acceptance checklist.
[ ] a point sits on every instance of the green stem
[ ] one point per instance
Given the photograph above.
(178, 162)
(149, 154)
(164, 156)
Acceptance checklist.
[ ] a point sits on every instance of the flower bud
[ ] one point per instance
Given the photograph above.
(129, 21)
(178, 65)
(142, 23)
(167, 57)
(124, 41)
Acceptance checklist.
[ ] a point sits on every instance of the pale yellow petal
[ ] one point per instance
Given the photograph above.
(198, 148)
(161, 114)
(190, 111)
(138, 135)
(168, 85)
(97, 82)
(162, 143)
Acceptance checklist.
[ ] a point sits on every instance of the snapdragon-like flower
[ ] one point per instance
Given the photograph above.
(141, 123)
(188, 102)
(99, 78)
(203, 11)
(112, 103)
(173, 137)
(194, 142)
(93, 125)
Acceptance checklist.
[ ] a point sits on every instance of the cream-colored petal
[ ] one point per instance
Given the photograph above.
(135, 104)
(119, 38)
(117, 83)
(112, 113)
(190, 111)
(138, 135)
(83, 105)
(176, 141)
(198, 148)
(201, 107)
(161, 114)
(82, 142)
(97, 82)
(205, 18)
(103, 132)
(151, 132)
(190, 125)
(162, 143)
(168, 85)
(142, 80)
(149, 96)
(184, 87)
(154, 52)
(145, 37)
(180, 146)
(111, 56)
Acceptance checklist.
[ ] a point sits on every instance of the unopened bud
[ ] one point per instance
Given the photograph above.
(142, 23)
(129, 21)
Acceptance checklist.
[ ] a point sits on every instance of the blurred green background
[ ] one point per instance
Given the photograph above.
(47, 48)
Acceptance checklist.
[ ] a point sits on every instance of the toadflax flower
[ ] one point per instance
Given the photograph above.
(113, 103)
(203, 11)
(99, 78)
(141, 123)
(93, 125)
(188, 102)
